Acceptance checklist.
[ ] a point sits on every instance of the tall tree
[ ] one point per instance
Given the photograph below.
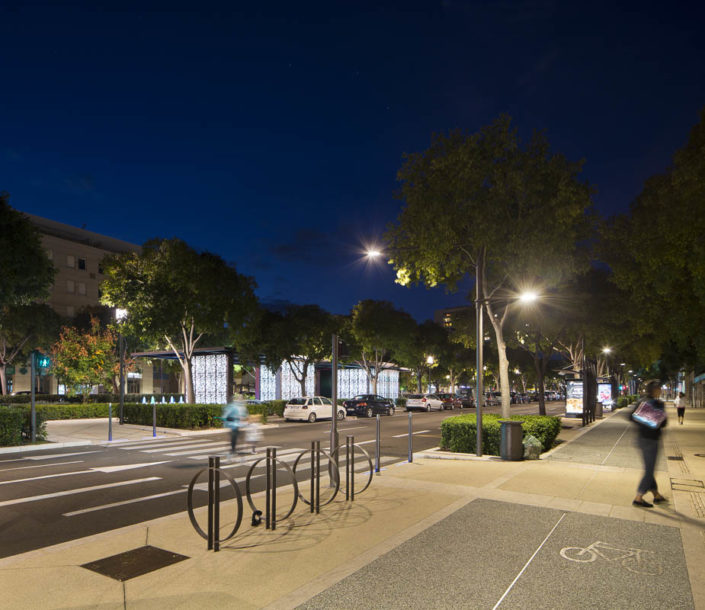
(27, 273)
(299, 337)
(426, 341)
(378, 331)
(483, 204)
(84, 359)
(657, 251)
(175, 296)
(24, 328)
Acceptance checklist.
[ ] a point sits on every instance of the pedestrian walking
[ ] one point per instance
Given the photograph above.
(235, 416)
(650, 417)
(679, 402)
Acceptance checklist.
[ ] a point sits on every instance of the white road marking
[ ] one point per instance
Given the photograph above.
(104, 469)
(501, 599)
(251, 458)
(188, 445)
(628, 426)
(199, 449)
(407, 434)
(123, 503)
(70, 492)
(58, 455)
(42, 465)
(108, 469)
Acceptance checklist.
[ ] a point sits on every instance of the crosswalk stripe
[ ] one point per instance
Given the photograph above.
(182, 446)
(70, 492)
(200, 449)
(42, 465)
(252, 458)
(161, 443)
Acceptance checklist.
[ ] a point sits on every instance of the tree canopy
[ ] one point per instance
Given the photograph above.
(484, 204)
(175, 296)
(27, 273)
(378, 331)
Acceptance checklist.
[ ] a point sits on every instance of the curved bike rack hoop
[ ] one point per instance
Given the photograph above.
(272, 461)
(315, 452)
(214, 471)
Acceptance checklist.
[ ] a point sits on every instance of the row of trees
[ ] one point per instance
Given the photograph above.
(484, 207)
(512, 215)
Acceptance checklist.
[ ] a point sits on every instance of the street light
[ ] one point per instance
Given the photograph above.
(373, 253)
(120, 315)
(528, 296)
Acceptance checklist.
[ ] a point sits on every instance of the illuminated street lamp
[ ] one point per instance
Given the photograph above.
(373, 253)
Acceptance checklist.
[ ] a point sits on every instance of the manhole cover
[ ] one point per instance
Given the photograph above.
(136, 562)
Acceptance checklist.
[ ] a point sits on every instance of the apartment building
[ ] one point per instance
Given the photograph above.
(77, 255)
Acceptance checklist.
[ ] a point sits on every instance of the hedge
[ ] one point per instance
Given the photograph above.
(459, 433)
(11, 420)
(91, 398)
(16, 426)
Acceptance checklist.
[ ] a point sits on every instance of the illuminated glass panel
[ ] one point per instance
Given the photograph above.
(210, 378)
(267, 384)
(290, 385)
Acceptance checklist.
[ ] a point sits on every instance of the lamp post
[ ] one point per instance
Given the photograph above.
(480, 303)
(120, 315)
(429, 361)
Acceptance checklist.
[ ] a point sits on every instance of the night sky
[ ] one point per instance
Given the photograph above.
(271, 133)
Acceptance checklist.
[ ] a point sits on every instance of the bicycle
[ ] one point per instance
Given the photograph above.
(639, 561)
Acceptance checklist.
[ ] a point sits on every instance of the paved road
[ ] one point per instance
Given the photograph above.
(55, 495)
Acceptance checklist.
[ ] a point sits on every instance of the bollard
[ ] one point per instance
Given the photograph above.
(352, 468)
(211, 472)
(216, 504)
(347, 467)
(379, 417)
(110, 421)
(154, 421)
(318, 477)
(313, 475)
(411, 442)
(267, 513)
(274, 488)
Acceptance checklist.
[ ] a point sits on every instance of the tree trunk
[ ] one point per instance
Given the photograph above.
(188, 381)
(419, 375)
(540, 384)
(503, 372)
(3, 380)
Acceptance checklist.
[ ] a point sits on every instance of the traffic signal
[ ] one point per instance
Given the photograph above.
(43, 361)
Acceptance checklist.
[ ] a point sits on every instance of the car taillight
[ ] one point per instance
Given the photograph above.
(361, 404)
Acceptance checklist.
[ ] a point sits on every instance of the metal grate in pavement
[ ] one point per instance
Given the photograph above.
(692, 485)
(137, 562)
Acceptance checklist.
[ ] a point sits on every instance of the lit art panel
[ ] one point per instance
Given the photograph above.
(388, 384)
(267, 384)
(290, 385)
(210, 378)
(352, 382)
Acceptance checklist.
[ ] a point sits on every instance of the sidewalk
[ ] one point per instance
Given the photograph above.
(476, 533)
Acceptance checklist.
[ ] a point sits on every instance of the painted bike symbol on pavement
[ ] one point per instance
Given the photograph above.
(639, 561)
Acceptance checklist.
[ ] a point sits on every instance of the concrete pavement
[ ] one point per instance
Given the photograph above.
(473, 533)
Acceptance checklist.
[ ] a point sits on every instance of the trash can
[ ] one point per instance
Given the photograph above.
(598, 410)
(511, 447)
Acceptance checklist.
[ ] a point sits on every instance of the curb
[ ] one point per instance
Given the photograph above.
(43, 447)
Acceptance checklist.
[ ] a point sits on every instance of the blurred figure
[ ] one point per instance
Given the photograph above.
(235, 417)
(648, 442)
(679, 403)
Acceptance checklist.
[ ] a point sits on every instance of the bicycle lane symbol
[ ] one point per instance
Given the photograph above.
(639, 561)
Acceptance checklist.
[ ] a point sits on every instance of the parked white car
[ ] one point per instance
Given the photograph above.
(311, 409)
(425, 402)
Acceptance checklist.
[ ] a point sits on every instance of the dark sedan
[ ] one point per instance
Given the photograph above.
(368, 405)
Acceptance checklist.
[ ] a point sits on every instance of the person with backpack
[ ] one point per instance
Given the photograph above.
(650, 417)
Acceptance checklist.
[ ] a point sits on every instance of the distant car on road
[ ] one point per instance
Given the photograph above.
(425, 402)
(450, 401)
(311, 409)
(368, 405)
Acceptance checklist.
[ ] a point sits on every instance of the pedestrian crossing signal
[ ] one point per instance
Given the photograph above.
(43, 361)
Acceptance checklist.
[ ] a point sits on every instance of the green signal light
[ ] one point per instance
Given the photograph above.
(43, 362)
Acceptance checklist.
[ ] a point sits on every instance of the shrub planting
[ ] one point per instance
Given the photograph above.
(459, 433)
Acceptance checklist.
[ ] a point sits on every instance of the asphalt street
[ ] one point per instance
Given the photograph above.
(56, 495)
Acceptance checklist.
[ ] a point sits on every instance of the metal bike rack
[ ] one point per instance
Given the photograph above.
(272, 463)
(315, 493)
(213, 534)
(270, 512)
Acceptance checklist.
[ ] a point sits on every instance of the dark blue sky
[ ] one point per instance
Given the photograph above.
(271, 133)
